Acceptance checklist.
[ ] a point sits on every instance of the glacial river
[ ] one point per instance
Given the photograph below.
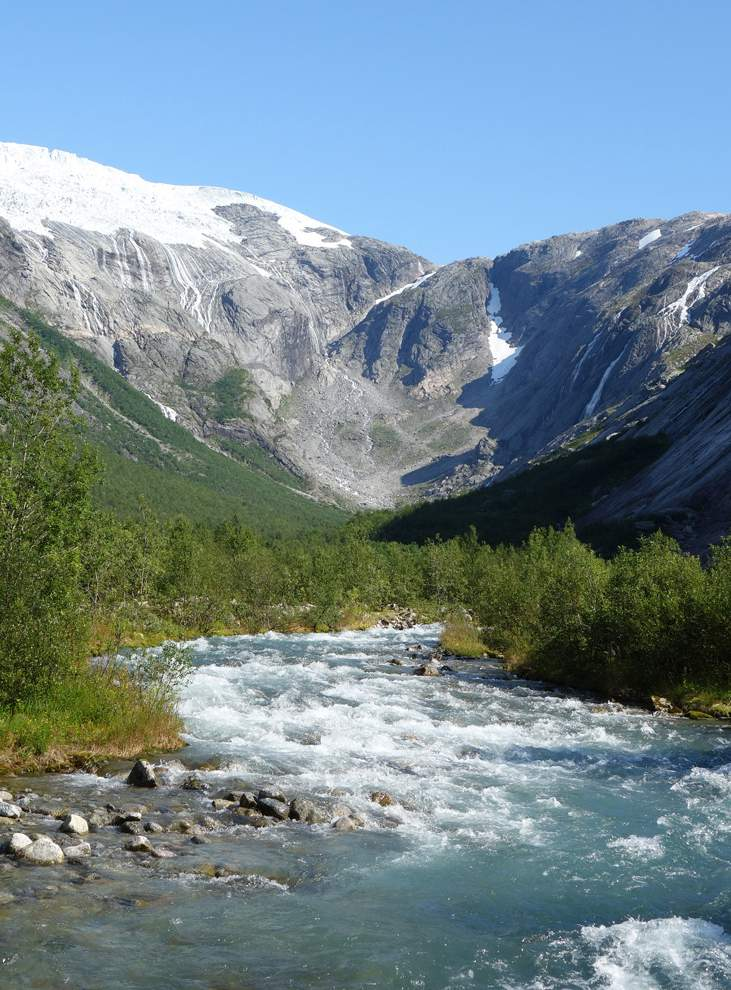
(538, 840)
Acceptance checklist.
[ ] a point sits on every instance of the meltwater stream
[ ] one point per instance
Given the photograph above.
(539, 841)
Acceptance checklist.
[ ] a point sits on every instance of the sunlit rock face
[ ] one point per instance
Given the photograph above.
(375, 372)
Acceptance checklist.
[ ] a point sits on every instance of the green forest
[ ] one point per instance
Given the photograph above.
(83, 576)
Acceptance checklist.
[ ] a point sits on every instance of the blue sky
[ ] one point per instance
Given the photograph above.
(458, 128)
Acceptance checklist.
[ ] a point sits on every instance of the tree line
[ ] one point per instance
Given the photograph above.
(76, 580)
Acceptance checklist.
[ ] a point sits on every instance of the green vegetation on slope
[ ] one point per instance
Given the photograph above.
(74, 578)
(147, 455)
(546, 494)
(51, 701)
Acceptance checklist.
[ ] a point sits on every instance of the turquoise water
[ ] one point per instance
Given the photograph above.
(543, 841)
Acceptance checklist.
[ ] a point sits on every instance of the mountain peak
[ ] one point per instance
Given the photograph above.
(41, 186)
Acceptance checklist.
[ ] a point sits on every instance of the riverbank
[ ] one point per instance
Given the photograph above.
(100, 714)
(462, 637)
(88, 716)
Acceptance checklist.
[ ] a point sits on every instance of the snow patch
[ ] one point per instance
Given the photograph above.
(577, 253)
(654, 235)
(594, 400)
(694, 292)
(504, 353)
(167, 411)
(410, 285)
(39, 185)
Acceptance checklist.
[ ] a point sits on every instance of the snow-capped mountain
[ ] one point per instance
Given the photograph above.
(359, 363)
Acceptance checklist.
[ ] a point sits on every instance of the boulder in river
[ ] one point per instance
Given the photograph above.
(6, 797)
(74, 825)
(77, 852)
(345, 824)
(16, 842)
(247, 799)
(42, 852)
(194, 783)
(273, 808)
(271, 793)
(430, 669)
(98, 818)
(302, 810)
(142, 775)
(381, 797)
(9, 810)
(138, 845)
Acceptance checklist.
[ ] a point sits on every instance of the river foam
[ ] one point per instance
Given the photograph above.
(537, 839)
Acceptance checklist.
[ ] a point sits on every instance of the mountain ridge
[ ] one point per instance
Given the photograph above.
(362, 365)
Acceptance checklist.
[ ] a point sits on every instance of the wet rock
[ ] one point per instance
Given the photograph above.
(153, 827)
(396, 661)
(271, 793)
(390, 822)
(74, 825)
(142, 775)
(10, 810)
(430, 669)
(131, 828)
(139, 844)
(78, 852)
(302, 810)
(126, 816)
(382, 797)
(183, 825)
(215, 763)
(194, 783)
(251, 818)
(98, 818)
(208, 823)
(199, 840)
(42, 852)
(247, 799)
(220, 804)
(6, 797)
(17, 842)
(162, 853)
(273, 808)
(696, 713)
(344, 824)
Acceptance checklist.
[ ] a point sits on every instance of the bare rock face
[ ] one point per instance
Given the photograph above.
(376, 373)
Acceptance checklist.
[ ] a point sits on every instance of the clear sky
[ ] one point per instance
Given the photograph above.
(457, 128)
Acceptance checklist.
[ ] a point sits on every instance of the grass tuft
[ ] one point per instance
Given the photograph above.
(94, 713)
(462, 637)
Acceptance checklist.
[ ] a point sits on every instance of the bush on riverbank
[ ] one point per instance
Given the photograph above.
(461, 637)
(88, 715)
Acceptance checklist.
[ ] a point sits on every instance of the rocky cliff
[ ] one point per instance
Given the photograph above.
(359, 364)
